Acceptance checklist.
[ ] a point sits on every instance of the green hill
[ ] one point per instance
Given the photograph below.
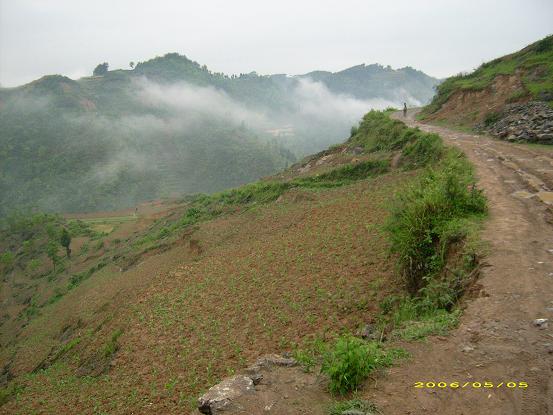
(172, 127)
(152, 309)
(466, 99)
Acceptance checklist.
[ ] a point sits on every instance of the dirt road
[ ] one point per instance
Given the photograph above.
(496, 341)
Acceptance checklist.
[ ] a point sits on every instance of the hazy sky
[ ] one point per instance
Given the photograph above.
(440, 37)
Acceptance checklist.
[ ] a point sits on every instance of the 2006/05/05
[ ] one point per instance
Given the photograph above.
(474, 385)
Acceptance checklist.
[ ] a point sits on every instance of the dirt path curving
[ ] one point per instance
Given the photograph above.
(496, 341)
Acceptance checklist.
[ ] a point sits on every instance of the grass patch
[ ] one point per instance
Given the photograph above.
(430, 215)
(423, 150)
(378, 132)
(9, 392)
(433, 226)
(112, 345)
(412, 321)
(309, 355)
(352, 360)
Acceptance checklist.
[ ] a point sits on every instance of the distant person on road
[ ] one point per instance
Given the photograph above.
(404, 109)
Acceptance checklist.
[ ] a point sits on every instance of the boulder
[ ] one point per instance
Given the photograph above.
(219, 397)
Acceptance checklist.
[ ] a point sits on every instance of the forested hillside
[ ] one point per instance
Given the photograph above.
(171, 127)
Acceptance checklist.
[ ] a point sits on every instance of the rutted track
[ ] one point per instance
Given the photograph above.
(496, 340)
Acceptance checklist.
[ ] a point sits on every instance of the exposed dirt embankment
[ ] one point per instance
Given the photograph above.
(469, 107)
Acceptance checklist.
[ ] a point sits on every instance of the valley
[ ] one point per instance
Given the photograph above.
(366, 241)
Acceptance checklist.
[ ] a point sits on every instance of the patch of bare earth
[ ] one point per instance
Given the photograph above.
(468, 107)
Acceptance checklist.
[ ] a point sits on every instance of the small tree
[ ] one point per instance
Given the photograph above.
(52, 252)
(101, 69)
(65, 240)
(131, 64)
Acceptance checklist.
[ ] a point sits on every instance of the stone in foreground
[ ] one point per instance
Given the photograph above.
(220, 397)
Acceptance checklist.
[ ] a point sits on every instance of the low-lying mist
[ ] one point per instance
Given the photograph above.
(158, 139)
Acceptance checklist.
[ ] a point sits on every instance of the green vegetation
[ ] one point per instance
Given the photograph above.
(26, 236)
(307, 289)
(534, 63)
(111, 141)
(430, 216)
(65, 241)
(101, 69)
(112, 346)
(433, 230)
(352, 360)
(309, 355)
(31, 261)
(205, 207)
(417, 325)
(423, 150)
(491, 118)
(9, 391)
(378, 132)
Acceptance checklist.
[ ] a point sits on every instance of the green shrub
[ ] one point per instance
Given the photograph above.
(112, 345)
(9, 391)
(423, 150)
(491, 118)
(378, 132)
(545, 45)
(7, 259)
(428, 216)
(98, 245)
(351, 361)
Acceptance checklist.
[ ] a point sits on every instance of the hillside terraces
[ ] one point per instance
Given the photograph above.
(288, 264)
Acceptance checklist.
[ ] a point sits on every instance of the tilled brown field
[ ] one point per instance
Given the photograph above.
(264, 280)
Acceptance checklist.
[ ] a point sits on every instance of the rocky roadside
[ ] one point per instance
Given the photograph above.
(528, 122)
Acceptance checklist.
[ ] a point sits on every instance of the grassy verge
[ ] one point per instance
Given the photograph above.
(351, 360)
(433, 231)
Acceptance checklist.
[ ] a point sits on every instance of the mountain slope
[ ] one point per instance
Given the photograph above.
(172, 127)
(467, 99)
(376, 81)
(151, 310)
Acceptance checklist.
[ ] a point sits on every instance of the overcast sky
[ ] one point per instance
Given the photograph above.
(440, 37)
